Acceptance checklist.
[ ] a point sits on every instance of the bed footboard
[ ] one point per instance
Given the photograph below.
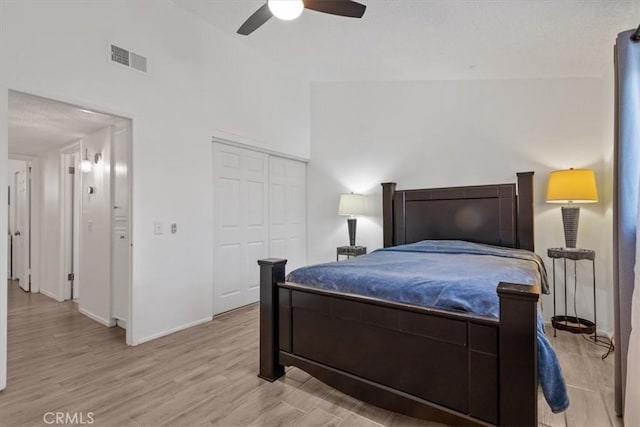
(271, 272)
(444, 366)
(518, 354)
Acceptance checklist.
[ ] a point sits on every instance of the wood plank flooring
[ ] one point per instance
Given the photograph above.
(61, 361)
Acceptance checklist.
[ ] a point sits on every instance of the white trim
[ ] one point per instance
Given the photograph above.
(72, 102)
(50, 295)
(257, 148)
(172, 330)
(105, 322)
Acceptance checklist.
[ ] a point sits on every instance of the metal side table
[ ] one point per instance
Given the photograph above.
(350, 251)
(565, 322)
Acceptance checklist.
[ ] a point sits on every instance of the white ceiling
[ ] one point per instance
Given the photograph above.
(437, 39)
(38, 125)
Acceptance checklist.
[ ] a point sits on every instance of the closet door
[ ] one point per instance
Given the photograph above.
(240, 225)
(287, 207)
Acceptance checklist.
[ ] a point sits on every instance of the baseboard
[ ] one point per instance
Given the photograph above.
(121, 323)
(105, 322)
(170, 331)
(50, 295)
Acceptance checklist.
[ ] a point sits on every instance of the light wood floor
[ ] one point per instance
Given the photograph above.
(59, 360)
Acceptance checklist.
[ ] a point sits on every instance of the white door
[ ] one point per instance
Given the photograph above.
(16, 249)
(120, 226)
(287, 207)
(21, 234)
(240, 225)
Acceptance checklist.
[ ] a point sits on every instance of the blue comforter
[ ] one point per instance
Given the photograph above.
(447, 274)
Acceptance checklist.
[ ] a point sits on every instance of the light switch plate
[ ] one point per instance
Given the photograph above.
(157, 228)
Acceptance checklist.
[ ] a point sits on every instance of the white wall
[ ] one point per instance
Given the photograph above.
(447, 133)
(201, 82)
(51, 230)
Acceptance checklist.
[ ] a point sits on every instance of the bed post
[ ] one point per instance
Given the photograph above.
(388, 192)
(271, 272)
(518, 354)
(525, 210)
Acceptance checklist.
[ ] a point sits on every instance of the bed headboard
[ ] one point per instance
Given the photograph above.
(500, 215)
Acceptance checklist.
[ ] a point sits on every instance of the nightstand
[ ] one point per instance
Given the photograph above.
(565, 322)
(350, 251)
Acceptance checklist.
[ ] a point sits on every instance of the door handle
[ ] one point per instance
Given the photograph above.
(17, 233)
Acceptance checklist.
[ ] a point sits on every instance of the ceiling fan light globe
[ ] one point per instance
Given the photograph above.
(286, 10)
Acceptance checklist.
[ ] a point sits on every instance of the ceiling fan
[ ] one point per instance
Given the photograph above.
(291, 9)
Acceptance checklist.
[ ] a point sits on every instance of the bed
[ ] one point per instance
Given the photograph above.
(439, 364)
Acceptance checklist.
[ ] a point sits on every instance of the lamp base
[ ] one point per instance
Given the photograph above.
(570, 219)
(351, 224)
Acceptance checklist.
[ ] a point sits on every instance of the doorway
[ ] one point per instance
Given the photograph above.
(19, 224)
(71, 206)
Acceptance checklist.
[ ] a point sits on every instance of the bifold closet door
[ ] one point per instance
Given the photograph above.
(287, 209)
(241, 229)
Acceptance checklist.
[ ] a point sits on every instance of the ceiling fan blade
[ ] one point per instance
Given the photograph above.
(347, 8)
(254, 22)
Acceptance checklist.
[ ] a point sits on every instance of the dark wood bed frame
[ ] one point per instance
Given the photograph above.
(445, 366)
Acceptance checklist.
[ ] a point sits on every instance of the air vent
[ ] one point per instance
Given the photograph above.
(138, 62)
(129, 59)
(119, 55)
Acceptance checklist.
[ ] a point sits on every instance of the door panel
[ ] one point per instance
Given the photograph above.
(287, 208)
(240, 224)
(16, 258)
(21, 235)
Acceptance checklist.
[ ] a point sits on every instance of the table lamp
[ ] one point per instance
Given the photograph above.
(571, 186)
(351, 205)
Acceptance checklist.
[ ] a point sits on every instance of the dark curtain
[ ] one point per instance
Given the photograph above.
(626, 191)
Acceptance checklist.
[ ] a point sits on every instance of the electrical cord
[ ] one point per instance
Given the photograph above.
(593, 339)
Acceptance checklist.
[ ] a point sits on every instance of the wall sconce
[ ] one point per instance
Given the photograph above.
(85, 164)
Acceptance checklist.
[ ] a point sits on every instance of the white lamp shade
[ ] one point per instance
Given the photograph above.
(286, 10)
(351, 204)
